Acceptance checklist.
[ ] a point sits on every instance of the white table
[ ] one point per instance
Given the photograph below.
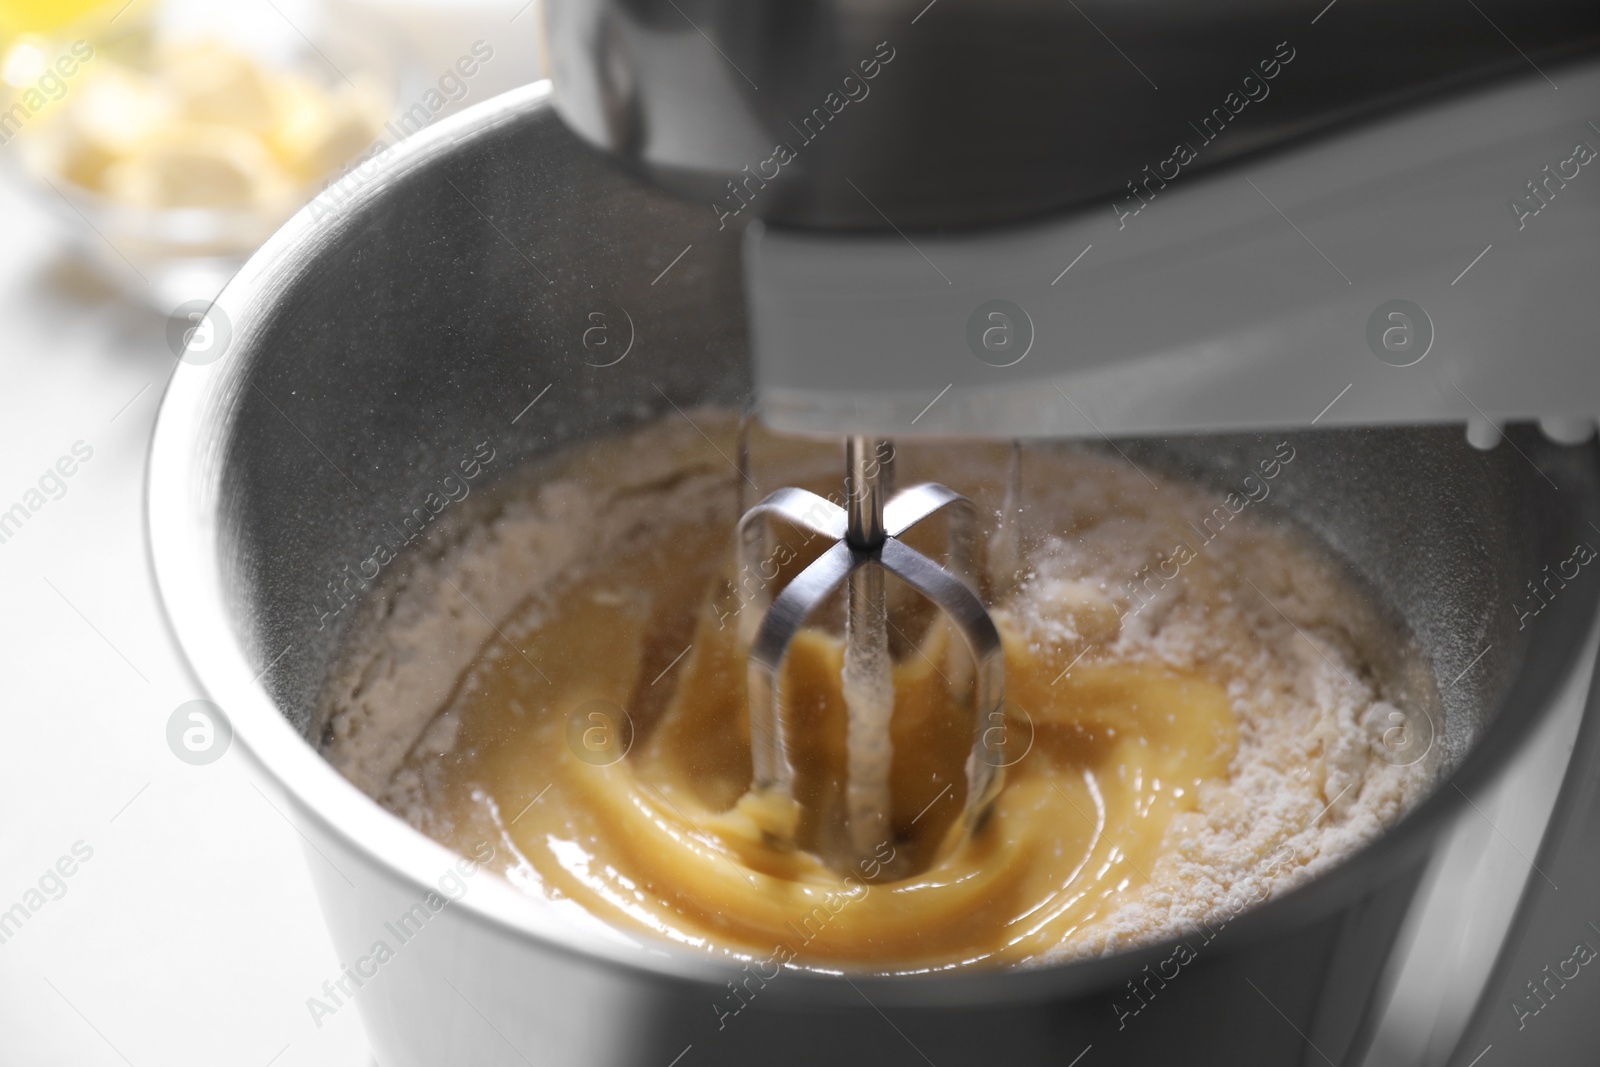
(191, 935)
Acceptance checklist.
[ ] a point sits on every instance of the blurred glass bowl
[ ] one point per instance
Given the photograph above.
(171, 151)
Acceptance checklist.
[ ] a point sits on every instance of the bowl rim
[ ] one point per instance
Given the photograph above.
(181, 517)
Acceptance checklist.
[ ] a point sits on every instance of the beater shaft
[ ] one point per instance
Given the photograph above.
(868, 680)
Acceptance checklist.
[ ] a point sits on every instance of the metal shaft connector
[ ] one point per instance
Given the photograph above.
(866, 461)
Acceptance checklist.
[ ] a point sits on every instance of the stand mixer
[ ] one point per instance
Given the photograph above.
(929, 178)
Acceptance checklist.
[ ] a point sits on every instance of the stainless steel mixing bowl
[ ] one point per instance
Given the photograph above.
(373, 347)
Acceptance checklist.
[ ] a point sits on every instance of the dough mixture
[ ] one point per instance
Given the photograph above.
(1197, 700)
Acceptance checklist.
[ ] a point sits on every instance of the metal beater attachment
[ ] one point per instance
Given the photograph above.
(866, 534)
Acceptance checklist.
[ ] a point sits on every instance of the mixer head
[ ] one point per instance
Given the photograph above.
(922, 115)
(1168, 205)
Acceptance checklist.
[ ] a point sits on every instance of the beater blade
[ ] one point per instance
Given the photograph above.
(866, 545)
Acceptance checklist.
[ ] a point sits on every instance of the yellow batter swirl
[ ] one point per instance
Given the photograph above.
(1104, 754)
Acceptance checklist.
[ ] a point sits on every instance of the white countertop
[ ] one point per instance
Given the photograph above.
(191, 934)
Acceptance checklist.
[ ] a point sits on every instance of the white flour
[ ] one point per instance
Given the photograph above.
(1312, 663)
